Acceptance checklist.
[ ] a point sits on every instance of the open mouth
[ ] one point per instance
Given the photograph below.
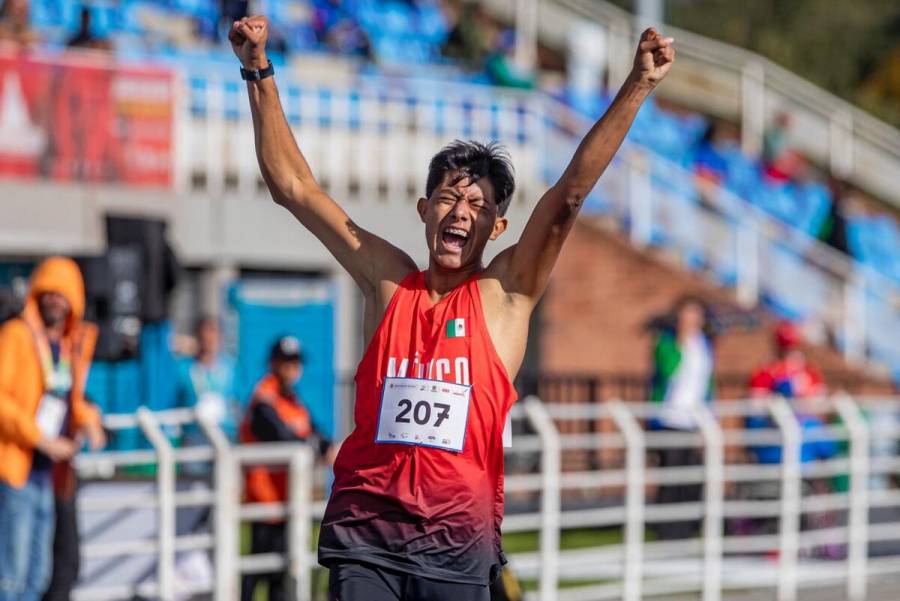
(454, 238)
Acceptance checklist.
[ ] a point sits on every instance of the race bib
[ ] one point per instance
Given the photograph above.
(50, 416)
(428, 413)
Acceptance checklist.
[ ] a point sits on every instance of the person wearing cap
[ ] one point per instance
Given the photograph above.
(45, 354)
(275, 414)
(789, 374)
(792, 376)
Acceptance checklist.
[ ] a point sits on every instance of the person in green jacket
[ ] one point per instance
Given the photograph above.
(682, 380)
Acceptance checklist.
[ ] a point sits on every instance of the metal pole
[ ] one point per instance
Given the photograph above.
(227, 583)
(858, 521)
(789, 522)
(215, 136)
(714, 460)
(753, 108)
(165, 482)
(640, 202)
(840, 137)
(747, 262)
(300, 483)
(854, 318)
(631, 430)
(526, 34)
(551, 464)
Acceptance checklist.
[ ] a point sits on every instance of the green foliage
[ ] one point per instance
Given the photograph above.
(844, 47)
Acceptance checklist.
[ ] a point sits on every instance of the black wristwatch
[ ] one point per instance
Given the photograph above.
(257, 74)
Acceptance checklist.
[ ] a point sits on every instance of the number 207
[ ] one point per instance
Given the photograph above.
(421, 412)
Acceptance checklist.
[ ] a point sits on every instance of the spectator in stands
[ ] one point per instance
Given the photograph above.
(781, 163)
(15, 23)
(205, 382)
(834, 230)
(84, 37)
(470, 35)
(710, 162)
(44, 358)
(682, 382)
(789, 374)
(276, 414)
(793, 377)
(337, 29)
(501, 67)
(66, 538)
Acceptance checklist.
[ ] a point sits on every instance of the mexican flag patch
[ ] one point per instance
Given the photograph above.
(456, 328)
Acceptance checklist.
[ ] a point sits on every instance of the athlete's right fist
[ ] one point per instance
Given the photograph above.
(248, 40)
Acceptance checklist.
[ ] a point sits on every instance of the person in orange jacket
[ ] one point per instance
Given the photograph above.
(45, 354)
(275, 414)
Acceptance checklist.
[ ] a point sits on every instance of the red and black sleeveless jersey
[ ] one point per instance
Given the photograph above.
(428, 511)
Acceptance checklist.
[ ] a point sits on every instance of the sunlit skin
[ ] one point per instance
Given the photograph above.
(690, 320)
(466, 205)
(287, 373)
(208, 341)
(515, 279)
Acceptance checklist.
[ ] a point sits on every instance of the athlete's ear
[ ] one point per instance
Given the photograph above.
(500, 225)
(421, 207)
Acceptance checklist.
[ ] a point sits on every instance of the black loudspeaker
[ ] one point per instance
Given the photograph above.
(9, 304)
(113, 289)
(159, 265)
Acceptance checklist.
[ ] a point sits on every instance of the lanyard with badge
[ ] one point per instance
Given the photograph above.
(210, 403)
(53, 408)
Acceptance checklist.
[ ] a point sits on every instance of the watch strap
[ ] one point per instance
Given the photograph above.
(257, 74)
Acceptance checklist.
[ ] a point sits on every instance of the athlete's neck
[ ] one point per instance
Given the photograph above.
(439, 281)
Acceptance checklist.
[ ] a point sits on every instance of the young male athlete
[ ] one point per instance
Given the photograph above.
(417, 500)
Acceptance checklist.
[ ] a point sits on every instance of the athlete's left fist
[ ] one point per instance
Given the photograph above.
(655, 54)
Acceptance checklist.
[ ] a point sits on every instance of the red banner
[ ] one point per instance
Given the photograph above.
(85, 118)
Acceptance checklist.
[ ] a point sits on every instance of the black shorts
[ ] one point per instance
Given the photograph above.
(364, 582)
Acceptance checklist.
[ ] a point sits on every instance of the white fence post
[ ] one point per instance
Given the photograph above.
(746, 261)
(858, 519)
(840, 143)
(789, 521)
(854, 318)
(165, 482)
(227, 583)
(631, 430)
(640, 201)
(551, 465)
(300, 482)
(714, 464)
(753, 108)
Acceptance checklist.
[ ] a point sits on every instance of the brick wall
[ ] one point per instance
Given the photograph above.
(603, 291)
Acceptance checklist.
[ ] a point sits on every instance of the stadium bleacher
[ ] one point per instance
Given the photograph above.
(408, 37)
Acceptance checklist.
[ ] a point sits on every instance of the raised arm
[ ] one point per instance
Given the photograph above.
(366, 257)
(524, 268)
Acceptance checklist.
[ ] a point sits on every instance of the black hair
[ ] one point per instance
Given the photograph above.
(475, 160)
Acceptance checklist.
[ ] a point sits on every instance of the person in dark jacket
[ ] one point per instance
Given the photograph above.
(275, 414)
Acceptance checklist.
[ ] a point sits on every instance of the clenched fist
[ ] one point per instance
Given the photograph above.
(248, 40)
(655, 54)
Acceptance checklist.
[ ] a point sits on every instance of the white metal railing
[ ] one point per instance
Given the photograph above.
(367, 144)
(380, 132)
(617, 496)
(736, 243)
(853, 143)
(720, 560)
(224, 499)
